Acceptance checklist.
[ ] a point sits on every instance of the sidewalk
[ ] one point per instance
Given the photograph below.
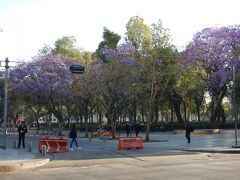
(13, 160)
(161, 144)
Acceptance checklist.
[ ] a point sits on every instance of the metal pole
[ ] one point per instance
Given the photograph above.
(5, 105)
(234, 104)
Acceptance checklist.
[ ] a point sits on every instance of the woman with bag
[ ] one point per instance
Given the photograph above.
(73, 136)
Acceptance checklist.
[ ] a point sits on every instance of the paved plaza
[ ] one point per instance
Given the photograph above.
(165, 152)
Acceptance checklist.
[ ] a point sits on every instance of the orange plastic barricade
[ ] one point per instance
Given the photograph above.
(130, 143)
(53, 144)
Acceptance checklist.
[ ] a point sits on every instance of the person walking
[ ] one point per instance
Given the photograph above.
(189, 129)
(127, 128)
(22, 130)
(73, 136)
(137, 128)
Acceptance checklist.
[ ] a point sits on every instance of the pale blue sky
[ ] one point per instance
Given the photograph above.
(28, 24)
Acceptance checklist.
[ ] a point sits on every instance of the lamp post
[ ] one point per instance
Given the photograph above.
(5, 105)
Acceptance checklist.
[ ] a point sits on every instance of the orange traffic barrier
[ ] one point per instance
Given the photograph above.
(53, 144)
(130, 143)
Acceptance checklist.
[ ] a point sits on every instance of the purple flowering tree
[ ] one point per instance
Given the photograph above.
(45, 80)
(86, 92)
(115, 80)
(215, 50)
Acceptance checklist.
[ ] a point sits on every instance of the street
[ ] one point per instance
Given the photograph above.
(162, 158)
(200, 167)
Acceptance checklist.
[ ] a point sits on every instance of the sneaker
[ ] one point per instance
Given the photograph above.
(71, 149)
(79, 148)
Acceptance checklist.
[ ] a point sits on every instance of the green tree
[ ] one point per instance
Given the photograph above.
(192, 88)
(138, 34)
(45, 50)
(155, 51)
(67, 47)
(110, 39)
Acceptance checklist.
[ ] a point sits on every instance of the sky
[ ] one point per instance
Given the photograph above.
(29, 24)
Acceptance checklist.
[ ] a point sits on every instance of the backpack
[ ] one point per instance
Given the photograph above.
(71, 134)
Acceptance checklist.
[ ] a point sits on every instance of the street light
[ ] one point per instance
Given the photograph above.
(5, 120)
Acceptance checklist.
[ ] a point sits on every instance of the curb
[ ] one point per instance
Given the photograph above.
(223, 151)
(199, 131)
(22, 165)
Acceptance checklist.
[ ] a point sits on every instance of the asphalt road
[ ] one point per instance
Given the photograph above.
(181, 167)
(160, 159)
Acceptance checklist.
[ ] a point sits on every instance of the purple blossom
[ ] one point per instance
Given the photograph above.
(213, 49)
(124, 53)
(44, 76)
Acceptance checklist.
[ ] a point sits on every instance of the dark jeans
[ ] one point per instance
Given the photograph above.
(137, 133)
(21, 138)
(188, 138)
(73, 140)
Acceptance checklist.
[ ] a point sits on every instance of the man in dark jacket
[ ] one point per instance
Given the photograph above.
(127, 128)
(73, 136)
(189, 129)
(22, 130)
(137, 128)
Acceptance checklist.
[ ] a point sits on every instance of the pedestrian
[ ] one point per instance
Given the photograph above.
(73, 136)
(127, 128)
(22, 130)
(137, 128)
(189, 129)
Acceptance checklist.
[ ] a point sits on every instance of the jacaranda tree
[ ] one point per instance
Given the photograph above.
(115, 80)
(215, 50)
(46, 80)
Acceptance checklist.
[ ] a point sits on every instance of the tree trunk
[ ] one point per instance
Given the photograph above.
(38, 126)
(99, 117)
(156, 112)
(80, 115)
(150, 117)
(59, 116)
(91, 116)
(178, 111)
(86, 125)
(112, 119)
(49, 123)
(171, 107)
(217, 112)
(198, 114)
(60, 127)
(86, 118)
(134, 111)
(212, 112)
(198, 101)
(142, 112)
(68, 122)
(223, 116)
(185, 111)
(113, 124)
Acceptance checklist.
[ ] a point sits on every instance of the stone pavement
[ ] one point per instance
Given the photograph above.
(161, 144)
(13, 160)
